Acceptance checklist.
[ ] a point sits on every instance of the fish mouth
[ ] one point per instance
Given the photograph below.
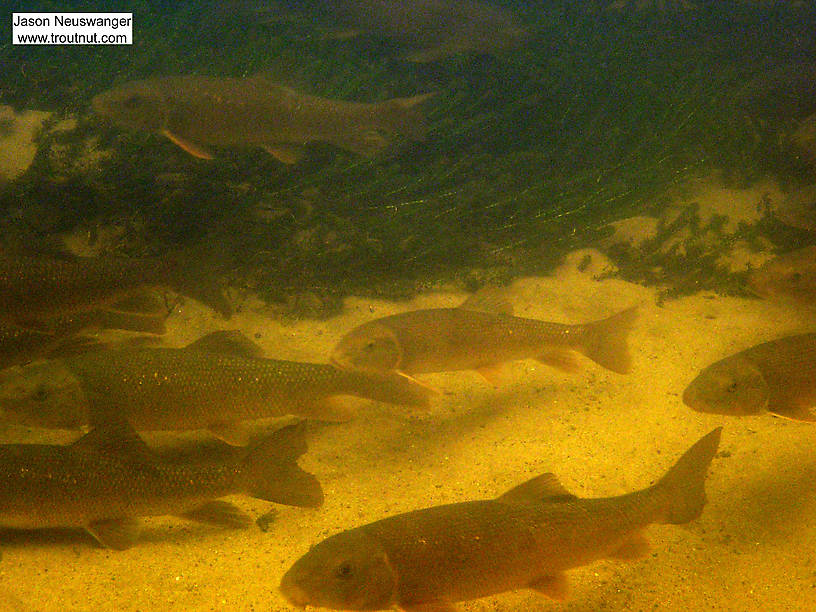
(294, 594)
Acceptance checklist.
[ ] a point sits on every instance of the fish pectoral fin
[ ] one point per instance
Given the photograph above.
(560, 358)
(792, 410)
(433, 606)
(492, 373)
(555, 586)
(192, 148)
(228, 342)
(543, 488)
(221, 513)
(286, 154)
(636, 546)
(231, 433)
(118, 534)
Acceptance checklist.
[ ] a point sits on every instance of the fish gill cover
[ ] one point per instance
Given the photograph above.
(531, 150)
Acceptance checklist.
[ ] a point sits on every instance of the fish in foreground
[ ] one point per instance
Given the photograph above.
(109, 478)
(791, 276)
(196, 112)
(429, 559)
(776, 377)
(35, 288)
(214, 383)
(472, 338)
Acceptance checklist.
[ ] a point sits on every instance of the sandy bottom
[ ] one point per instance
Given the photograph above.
(754, 548)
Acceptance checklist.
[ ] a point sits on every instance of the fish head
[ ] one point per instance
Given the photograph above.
(42, 394)
(348, 571)
(136, 105)
(372, 347)
(792, 276)
(733, 386)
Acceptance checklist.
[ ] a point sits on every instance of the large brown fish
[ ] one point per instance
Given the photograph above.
(214, 383)
(429, 559)
(444, 339)
(34, 288)
(109, 478)
(777, 377)
(195, 112)
(791, 276)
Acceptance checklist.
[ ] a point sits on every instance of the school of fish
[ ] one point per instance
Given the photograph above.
(55, 375)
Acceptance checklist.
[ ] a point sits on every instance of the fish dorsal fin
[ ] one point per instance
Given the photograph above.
(231, 342)
(115, 439)
(543, 488)
(488, 299)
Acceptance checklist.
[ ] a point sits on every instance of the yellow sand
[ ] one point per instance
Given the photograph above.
(601, 433)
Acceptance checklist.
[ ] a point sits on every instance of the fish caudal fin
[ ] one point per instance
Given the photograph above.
(270, 470)
(606, 342)
(405, 116)
(684, 483)
(194, 274)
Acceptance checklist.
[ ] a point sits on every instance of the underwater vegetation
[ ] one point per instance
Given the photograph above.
(530, 152)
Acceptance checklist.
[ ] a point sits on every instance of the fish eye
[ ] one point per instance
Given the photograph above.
(796, 277)
(370, 344)
(344, 570)
(732, 387)
(40, 394)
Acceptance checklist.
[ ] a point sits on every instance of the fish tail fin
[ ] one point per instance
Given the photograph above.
(391, 387)
(195, 275)
(405, 116)
(684, 483)
(270, 470)
(606, 341)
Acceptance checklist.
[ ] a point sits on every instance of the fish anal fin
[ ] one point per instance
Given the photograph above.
(192, 148)
(230, 432)
(555, 587)
(118, 534)
(636, 546)
(560, 358)
(543, 488)
(432, 606)
(231, 342)
(221, 513)
(488, 299)
(492, 373)
(286, 154)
